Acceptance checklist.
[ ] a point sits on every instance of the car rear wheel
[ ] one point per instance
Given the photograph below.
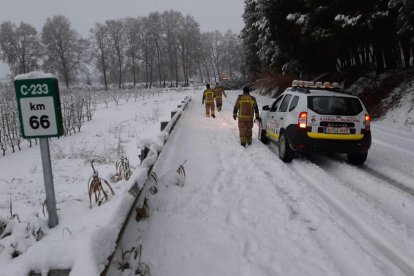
(357, 158)
(262, 136)
(285, 152)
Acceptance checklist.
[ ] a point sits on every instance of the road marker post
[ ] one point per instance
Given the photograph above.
(40, 117)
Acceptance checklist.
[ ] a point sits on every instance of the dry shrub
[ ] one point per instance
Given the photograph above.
(272, 83)
(142, 212)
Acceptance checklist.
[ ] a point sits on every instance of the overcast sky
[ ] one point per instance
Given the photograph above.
(212, 15)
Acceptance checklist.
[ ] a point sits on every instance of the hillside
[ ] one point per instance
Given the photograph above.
(383, 92)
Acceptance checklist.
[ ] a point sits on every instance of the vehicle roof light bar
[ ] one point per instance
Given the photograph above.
(327, 85)
(311, 84)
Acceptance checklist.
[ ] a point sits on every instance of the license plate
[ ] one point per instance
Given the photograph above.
(337, 130)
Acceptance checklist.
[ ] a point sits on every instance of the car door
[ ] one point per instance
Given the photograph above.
(272, 124)
(280, 116)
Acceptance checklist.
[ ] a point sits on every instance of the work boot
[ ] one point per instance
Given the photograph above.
(243, 144)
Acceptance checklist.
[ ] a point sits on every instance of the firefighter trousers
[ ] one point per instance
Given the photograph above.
(245, 130)
(219, 104)
(209, 109)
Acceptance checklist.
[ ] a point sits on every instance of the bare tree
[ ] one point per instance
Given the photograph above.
(155, 32)
(160, 47)
(3, 133)
(132, 30)
(148, 52)
(189, 33)
(100, 50)
(233, 54)
(8, 122)
(171, 25)
(66, 50)
(20, 46)
(217, 52)
(116, 33)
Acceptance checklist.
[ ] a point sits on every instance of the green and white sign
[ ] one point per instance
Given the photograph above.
(39, 105)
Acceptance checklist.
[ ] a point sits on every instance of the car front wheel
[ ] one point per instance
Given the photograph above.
(285, 152)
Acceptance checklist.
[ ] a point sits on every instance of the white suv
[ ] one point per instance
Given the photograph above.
(310, 117)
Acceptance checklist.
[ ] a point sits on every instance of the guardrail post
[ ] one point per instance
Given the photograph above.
(163, 125)
(144, 154)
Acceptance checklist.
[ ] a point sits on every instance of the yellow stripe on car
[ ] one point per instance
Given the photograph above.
(335, 136)
(272, 135)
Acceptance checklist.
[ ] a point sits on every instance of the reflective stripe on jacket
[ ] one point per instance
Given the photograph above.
(246, 106)
(208, 96)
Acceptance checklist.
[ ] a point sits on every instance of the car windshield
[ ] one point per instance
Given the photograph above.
(334, 105)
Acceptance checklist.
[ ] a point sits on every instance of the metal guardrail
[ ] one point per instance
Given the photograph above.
(140, 192)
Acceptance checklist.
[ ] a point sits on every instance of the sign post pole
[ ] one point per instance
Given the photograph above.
(48, 178)
(40, 117)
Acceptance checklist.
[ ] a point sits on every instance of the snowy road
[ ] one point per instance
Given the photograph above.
(242, 211)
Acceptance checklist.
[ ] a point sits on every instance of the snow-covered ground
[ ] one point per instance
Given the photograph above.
(84, 237)
(241, 211)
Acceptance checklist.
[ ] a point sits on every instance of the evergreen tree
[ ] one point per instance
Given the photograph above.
(315, 36)
(249, 35)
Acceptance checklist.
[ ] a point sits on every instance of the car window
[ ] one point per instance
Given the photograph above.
(276, 104)
(294, 103)
(333, 105)
(285, 103)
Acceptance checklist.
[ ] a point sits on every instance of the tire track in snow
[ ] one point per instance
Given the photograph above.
(382, 192)
(307, 172)
(401, 183)
(293, 197)
(396, 179)
(404, 136)
(393, 147)
(394, 253)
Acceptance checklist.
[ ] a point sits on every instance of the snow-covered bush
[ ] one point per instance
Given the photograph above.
(16, 236)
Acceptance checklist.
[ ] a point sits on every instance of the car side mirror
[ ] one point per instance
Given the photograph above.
(265, 108)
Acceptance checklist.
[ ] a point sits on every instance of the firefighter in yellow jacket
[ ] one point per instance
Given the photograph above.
(219, 92)
(208, 98)
(245, 108)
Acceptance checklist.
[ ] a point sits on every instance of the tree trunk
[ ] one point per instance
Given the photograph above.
(201, 72)
(157, 47)
(176, 66)
(389, 56)
(378, 58)
(214, 71)
(207, 71)
(406, 48)
(134, 73)
(65, 75)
